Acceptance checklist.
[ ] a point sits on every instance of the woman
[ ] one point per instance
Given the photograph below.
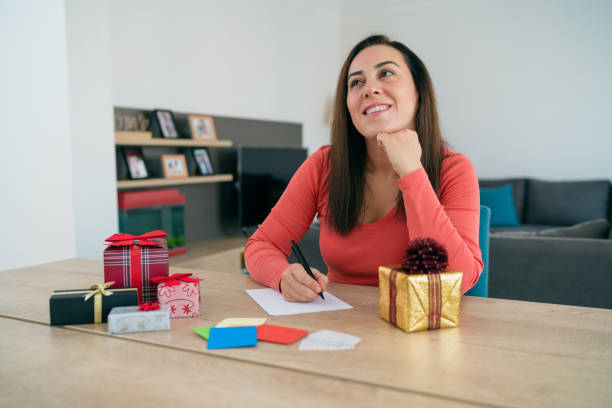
(386, 179)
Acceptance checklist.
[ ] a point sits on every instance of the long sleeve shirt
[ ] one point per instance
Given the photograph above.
(452, 220)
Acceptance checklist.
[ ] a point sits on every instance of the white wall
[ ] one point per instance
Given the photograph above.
(58, 173)
(36, 167)
(272, 59)
(91, 125)
(524, 87)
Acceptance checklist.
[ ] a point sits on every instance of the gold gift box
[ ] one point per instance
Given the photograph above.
(412, 298)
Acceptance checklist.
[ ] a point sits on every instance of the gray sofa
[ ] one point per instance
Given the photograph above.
(562, 250)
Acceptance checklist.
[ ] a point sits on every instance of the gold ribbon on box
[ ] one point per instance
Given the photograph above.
(97, 291)
(420, 301)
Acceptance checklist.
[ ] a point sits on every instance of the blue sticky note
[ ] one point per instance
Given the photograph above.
(228, 337)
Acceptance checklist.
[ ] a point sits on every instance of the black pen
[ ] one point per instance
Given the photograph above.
(302, 260)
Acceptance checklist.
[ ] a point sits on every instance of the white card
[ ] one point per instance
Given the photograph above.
(274, 304)
(329, 340)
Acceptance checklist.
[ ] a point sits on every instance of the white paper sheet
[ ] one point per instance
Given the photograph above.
(275, 305)
(329, 340)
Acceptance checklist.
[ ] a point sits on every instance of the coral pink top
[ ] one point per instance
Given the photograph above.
(452, 220)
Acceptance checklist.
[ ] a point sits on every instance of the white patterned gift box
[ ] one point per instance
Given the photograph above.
(137, 319)
(180, 292)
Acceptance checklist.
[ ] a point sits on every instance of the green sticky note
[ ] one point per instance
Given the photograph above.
(203, 331)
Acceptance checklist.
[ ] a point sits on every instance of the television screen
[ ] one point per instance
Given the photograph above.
(263, 175)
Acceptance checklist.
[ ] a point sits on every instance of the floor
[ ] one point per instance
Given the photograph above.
(220, 254)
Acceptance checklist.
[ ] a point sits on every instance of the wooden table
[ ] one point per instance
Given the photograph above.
(505, 353)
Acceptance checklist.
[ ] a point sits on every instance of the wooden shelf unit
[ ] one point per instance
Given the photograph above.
(140, 139)
(160, 182)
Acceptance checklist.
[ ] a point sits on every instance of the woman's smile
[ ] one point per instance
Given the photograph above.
(376, 109)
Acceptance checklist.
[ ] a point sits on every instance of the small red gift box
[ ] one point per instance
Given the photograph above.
(131, 261)
(180, 293)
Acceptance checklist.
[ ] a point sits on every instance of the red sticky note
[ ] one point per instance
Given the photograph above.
(279, 334)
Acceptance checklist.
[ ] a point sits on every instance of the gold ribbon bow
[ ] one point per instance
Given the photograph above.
(99, 289)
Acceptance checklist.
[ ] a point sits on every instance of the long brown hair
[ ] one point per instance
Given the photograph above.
(348, 155)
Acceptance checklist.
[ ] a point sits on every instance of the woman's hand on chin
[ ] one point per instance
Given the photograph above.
(403, 150)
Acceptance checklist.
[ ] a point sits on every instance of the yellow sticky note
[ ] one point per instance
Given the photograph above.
(242, 321)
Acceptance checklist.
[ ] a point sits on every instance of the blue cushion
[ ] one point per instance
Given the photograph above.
(501, 203)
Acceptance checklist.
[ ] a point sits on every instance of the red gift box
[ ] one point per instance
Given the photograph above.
(180, 293)
(131, 261)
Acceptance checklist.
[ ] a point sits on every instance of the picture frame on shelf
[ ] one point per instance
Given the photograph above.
(174, 165)
(203, 162)
(202, 127)
(166, 123)
(135, 163)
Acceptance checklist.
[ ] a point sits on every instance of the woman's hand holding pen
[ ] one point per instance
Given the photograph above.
(403, 150)
(297, 286)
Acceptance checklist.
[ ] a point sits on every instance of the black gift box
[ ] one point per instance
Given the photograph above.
(70, 306)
